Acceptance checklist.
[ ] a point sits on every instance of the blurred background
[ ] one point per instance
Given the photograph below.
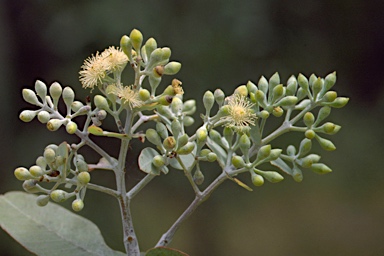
(220, 44)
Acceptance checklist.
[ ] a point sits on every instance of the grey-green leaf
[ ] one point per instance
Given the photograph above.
(145, 161)
(50, 230)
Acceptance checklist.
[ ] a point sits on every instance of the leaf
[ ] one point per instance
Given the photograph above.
(50, 230)
(279, 163)
(164, 251)
(145, 161)
(62, 151)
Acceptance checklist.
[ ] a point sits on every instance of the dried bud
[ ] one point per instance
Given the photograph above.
(169, 143)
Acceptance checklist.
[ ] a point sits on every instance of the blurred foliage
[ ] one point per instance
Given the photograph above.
(220, 44)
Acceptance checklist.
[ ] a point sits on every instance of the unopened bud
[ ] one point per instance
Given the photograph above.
(201, 134)
(176, 128)
(291, 86)
(303, 82)
(100, 102)
(320, 168)
(169, 143)
(41, 89)
(77, 205)
(238, 162)
(188, 121)
(329, 81)
(273, 177)
(27, 115)
(42, 200)
(329, 96)
(198, 177)
(68, 96)
(274, 81)
(22, 173)
(49, 155)
(54, 124)
(309, 119)
(325, 144)
(158, 161)
(257, 179)
(144, 94)
(153, 137)
(36, 171)
(242, 90)
(55, 90)
(211, 157)
(219, 96)
(76, 105)
(162, 130)
(187, 149)
(71, 127)
(43, 116)
(277, 111)
(263, 84)
(30, 97)
(176, 106)
(310, 134)
(339, 102)
(136, 39)
(58, 195)
(208, 100)
(287, 101)
(305, 147)
(126, 46)
(245, 144)
(172, 68)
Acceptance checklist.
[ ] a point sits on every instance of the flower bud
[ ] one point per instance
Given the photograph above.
(277, 92)
(251, 87)
(176, 106)
(101, 114)
(242, 90)
(303, 104)
(43, 117)
(205, 152)
(260, 98)
(317, 86)
(189, 105)
(40, 161)
(275, 153)
(238, 162)
(208, 100)
(215, 136)
(81, 165)
(320, 168)
(182, 140)
(201, 135)
(257, 179)
(264, 114)
(272, 176)
(309, 119)
(277, 111)
(126, 46)
(42, 200)
(198, 177)
(54, 124)
(136, 39)
(291, 150)
(287, 101)
(41, 89)
(323, 113)
(22, 173)
(211, 157)
(305, 147)
(71, 127)
(31, 186)
(303, 82)
(166, 53)
(153, 136)
(219, 96)
(30, 97)
(169, 143)
(328, 127)
(329, 81)
(158, 161)
(49, 155)
(176, 128)
(263, 152)
(187, 149)
(329, 96)
(76, 105)
(310, 134)
(162, 130)
(36, 171)
(59, 195)
(291, 86)
(263, 84)
(68, 96)
(245, 144)
(172, 68)
(84, 178)
(325, 144)
(144, 94)
(339, 102)
(101, 102)
(156, 56)
(188, 121)
(77, 205)
(27, 115)
(55, 90)
(297, 174)
(228, 134)
(274, 81)
(150, 46)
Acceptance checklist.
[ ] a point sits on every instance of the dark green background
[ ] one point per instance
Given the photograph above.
(220, 44)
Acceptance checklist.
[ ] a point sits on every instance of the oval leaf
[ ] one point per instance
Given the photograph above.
(50, 230)
(164, 251)
(145, 161)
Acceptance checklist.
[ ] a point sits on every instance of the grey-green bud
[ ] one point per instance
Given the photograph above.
(30, 97)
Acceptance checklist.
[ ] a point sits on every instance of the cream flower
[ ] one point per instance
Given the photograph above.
(240, 111)
(114, 59)
(126, 94)
(93, 71)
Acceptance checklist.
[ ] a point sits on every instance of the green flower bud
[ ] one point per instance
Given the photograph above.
(263, 152)
(76, 105)
(43, 117)
(22, 173)
(211, 157)
(245, 144)
(166, 53)
(144, 94)
(277, 92)
(260, 98)
(81, 165)
(291, 150)
(198, 177)
(317, 86)
(31, 186)
(328, 127)
(228, 134)
(238, 162)
(71, 127)
(307, 161)
(257, 179)
(323, 113)
(77, 205)
(55, 90)
(189, 105)
(274, 81)
(310, 134)
(297, 174)
(49, 155)
(165, 100)
(156, 56)
(329, 96)
(150, 46)
(177, 106)
(83, 178)
(30, 97)
(287, 101)
(201, 135)
(169, 143)
(182, 140)
(291, 86)
(158, 161)
(153, 136)
(162, 130)
(126, 46)
(312, 79)
(40, 161)
(101, 102)
(208, 100)
(272, 177)
(219, 96)
(223, 111)
(320, 168)
(339, 102)
(325, 144)
(264, 114)
(54, 124)
(275, 153)
(136, 39)
(309, 119)
(41, 89)
(305, 147)
(242, 90)
(27, 115)
(42, 200)
(172, 68)
(215, 136)
(303, 104)
(263, 84)
(59, 195)
(188, 121)
(176, 128)
(101, 114)
(277, 111)
(68, 96)
(329, 81)
(303, 82)
(36, 171)
(187, 149)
